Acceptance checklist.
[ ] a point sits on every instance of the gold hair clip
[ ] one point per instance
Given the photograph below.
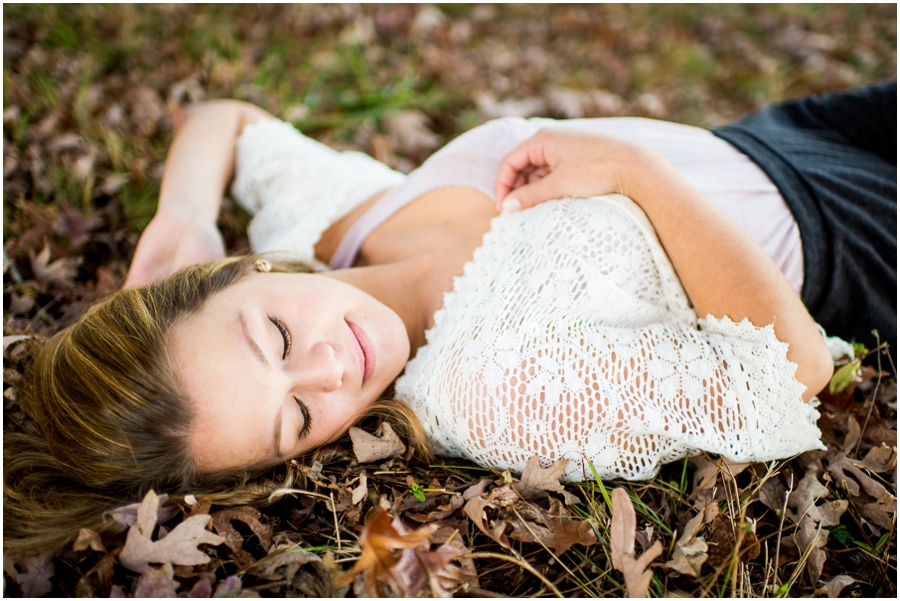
(263, 266)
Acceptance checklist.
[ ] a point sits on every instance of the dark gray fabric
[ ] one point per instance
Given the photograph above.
(834, 159)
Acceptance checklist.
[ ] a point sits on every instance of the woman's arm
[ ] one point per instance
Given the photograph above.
(723, 271)
(198, 168)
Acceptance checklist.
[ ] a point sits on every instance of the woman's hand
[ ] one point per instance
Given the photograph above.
(171, 242)
(559, 162)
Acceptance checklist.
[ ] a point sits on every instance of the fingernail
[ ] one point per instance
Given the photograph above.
(511, 204)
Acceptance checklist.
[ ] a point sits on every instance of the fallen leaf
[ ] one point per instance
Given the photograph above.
(537, 480)
(379, 539)
(11, 340)
(179, 547)
(771, 494)
(155, 583)
(369, 448)
(88, 538)
(804, 497)
(127, 514)
(35, 579)
(362, 489)
(621, 546)
(722, 541)
(99, 578)
(291, 559)
(61, 271)
(559, 533)
(834, 586)
(690, 551)
(221, 521)
(75, 225)
(810, 538)
(202, 589)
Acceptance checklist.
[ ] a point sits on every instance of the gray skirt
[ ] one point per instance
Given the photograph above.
(834, 159)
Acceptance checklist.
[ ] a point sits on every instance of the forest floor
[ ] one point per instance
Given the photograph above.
(91, 96)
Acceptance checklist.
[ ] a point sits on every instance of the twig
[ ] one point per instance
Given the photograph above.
(780, 529)
(518, 562)
(337, 528)
(862, 432)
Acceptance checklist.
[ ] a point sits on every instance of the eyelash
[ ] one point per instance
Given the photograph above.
(286, 335)
(307, 420)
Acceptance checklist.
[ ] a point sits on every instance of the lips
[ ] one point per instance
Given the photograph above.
(367, 351)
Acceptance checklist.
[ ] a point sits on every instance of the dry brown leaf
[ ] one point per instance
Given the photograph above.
(292, 559)
(61, 271)
(723, 538)
(362, 489)
(221, 521)
(154, 583)
(88, 538)
(834, 586)
(621, 546)
(35, 579)
(881, 459)
(369, 448)
(378, 540)
(690, 550)
(812, 538)
(559, 533)
(771, 494)
(99, 578)
(476, 490)
(179, 547)
(537, 480)
(804, 497)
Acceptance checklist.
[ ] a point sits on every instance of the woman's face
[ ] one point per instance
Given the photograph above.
(279, 364)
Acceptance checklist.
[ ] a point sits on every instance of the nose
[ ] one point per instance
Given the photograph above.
(319, 370)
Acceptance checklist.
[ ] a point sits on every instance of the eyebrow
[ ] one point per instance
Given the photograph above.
(252, 343)
(276, 432)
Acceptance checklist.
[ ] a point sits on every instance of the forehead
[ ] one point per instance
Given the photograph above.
(224, 385)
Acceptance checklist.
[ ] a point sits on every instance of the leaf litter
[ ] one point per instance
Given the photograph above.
(73, 209)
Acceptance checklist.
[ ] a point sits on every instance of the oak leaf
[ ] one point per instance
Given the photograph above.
(369, 448)
(179, 547)
(834, 586)
(621, 546)
(379, 539)
(88, 538)
(221, 521)
(536, 480)
(559, 533)
(154, 583)
(35, 580)
(690, 551)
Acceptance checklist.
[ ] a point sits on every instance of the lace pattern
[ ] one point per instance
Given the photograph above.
(297, 187)
(569, 336)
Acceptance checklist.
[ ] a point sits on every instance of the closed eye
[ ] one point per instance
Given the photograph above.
(285, 335)
(307, 420)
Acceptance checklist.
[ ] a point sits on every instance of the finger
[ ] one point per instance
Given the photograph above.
(547, 188)
(529, 153)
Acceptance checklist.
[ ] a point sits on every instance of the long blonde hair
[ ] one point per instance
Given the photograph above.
(112, 422)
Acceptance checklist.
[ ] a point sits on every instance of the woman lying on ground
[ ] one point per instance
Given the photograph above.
(654, 310)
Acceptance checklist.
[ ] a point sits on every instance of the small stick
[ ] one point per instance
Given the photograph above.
(337, 529)
(862, 432)
(780, 528)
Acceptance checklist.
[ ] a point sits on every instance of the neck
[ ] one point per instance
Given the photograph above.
(398, 286)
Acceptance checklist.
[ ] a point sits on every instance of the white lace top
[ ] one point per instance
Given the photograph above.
(569, 336)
